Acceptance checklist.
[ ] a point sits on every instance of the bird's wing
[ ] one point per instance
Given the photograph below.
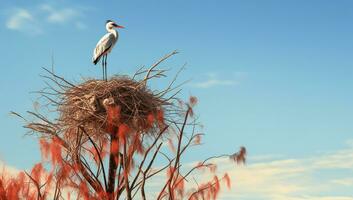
(103, 45)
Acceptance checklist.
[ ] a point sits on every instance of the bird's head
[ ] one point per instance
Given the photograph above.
(111, 24)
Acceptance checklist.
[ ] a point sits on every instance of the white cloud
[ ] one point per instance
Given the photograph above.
(327, 176)
(60, 15)
(33, 20)
(293, 179)
(212, 80)
(80, 25)
(343, 181)
(12, 171)
(23, 20)
(20, 17)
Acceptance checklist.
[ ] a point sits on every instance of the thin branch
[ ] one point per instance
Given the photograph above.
(146, 154)
(39, 195)
(156, 64)
(100, 158)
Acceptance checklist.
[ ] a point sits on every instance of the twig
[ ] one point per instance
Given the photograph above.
(100, 158)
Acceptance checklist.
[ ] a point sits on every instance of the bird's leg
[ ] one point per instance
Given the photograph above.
(103, 67)
(105, 64)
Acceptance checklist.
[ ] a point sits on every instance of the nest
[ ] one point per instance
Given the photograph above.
(87, 105)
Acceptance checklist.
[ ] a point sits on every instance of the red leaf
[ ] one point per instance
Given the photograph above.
(113, 117)
(227, 179)
(55, 151)
(44, 148)
(122, 133)
(150, 120)
(37, 171)
(197, 139)
(160, 118)
(192, 101)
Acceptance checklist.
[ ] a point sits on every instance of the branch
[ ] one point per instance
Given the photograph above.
(156, 64)
(93, 183)
(39, 195)
(146, 154)
(100, 158)
(126, 174)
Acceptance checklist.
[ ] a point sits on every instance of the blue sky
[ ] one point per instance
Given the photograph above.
(274, 76)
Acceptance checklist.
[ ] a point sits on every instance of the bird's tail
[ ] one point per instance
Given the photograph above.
(95, 60)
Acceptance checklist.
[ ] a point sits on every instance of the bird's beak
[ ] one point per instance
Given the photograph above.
(118, 26)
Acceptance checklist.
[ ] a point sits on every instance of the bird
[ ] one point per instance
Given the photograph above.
(105, 45)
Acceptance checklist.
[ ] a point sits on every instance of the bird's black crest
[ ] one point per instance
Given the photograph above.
(108, 21)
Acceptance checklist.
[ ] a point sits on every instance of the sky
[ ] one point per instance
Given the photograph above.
(274, 76)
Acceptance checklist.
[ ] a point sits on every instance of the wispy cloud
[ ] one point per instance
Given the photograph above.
(319, 177)
(343, 181)
(80, 25)
(60, 15)
(215, 80)
(12, 171)
(33, 20)
(325, 176)
(23, 20)
(212, 82)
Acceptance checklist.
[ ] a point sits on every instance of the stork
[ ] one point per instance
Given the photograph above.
(105, 45)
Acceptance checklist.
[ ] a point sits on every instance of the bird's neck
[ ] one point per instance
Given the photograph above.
(113, 31)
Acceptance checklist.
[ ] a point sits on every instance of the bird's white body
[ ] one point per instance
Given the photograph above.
(105, 45)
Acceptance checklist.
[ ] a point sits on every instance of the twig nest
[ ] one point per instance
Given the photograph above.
(97, 104)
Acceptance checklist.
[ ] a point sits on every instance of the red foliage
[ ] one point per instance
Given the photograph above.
(170, 172)
(37, 171)
(192, 101)
(137, 144)
(197, 140)
(239, 157)
(160, 119)
(212, 167)
(208, 190)
(44, 148)
(55, 151)
(113, 118)
(180, 186)
(16, 187)
(74, 171)
(122, 133)
(227, 180)
(83, 191)
(150, 120)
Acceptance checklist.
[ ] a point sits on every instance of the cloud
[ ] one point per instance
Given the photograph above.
(325, 176)
(12, 171)
(213, 80)
(343, 181)
(34, 20)
(80, 25)
(20, 17)
(318, 177)
(60, 15)
(24, 21)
